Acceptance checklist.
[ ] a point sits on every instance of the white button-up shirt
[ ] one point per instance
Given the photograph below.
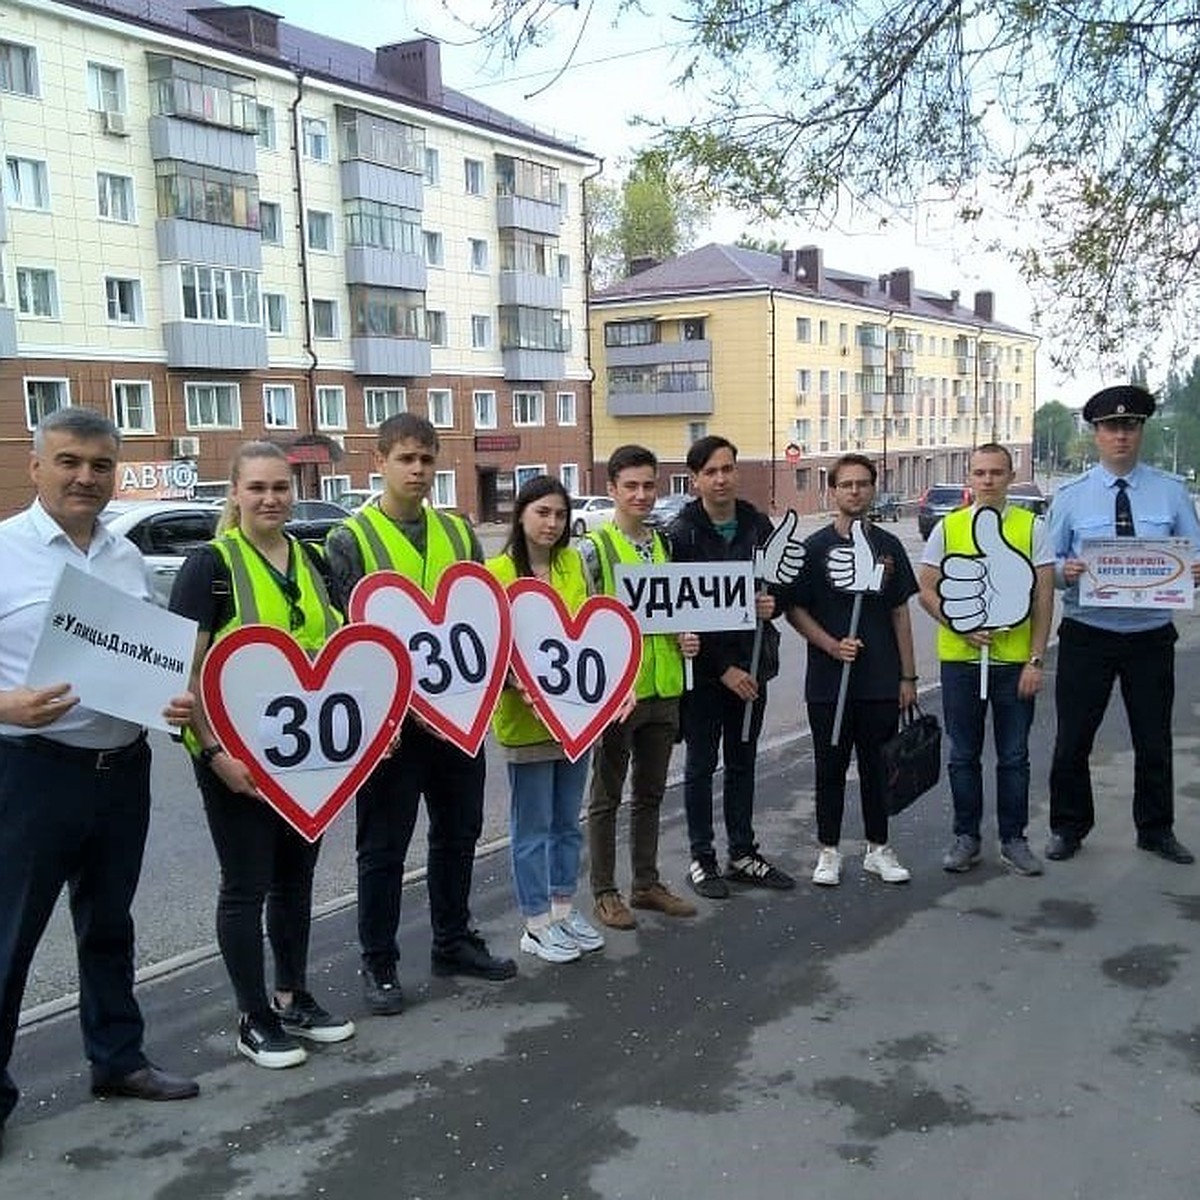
(33, 549)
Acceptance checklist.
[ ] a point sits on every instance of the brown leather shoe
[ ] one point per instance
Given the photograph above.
(661, 899)
(147, 1083)
(611, 910)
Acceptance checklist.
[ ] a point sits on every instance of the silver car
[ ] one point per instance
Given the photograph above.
(164, 531)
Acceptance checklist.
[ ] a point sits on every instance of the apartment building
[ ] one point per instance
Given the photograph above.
(218, 226)
(796, 363)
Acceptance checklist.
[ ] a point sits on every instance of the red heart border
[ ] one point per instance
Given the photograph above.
(468, 740)
(310, 675)
(576, 745)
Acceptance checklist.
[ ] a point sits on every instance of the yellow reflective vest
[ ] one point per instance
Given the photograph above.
(384, 548)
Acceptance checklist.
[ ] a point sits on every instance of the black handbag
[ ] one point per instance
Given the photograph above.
(912, 759)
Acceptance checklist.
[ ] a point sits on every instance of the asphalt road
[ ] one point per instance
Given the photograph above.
(174, 908)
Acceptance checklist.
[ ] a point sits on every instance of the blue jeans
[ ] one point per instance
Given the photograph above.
(1011, 718)
(546, 838)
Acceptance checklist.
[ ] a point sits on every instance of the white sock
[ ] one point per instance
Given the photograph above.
(538, 924)
(560, 907)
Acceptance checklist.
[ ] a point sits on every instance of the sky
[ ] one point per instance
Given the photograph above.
(618, 74)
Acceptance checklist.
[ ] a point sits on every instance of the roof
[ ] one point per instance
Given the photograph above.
(715, 269)
(316, 55)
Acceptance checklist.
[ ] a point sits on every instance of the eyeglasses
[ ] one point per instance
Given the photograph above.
(1126, 423)
(848, 485)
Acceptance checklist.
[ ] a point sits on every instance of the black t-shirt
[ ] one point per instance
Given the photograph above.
(876, 671)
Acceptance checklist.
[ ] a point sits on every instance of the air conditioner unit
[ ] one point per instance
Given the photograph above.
(114, 123)
(185, 447)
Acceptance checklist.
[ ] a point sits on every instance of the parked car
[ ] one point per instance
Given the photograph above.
(590, 512)
(665, 510)
(887, 507)
(1030, 496)
(312, 519)
(937, 501)
(164, 531)
(355, 498)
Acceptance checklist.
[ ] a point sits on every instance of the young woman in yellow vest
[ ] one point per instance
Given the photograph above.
(253, 572)
(547, 788)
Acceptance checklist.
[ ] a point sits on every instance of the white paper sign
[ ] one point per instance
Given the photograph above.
(122, 656)
(688, 597)
(1137, 573)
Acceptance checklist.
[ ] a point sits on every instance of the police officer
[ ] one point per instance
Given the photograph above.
(1119, 497)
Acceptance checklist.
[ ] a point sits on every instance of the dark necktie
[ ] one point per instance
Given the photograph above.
(1124, 514)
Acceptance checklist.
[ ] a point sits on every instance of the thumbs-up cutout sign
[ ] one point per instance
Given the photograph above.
(989, 590)
(853, 568)
(780, 557)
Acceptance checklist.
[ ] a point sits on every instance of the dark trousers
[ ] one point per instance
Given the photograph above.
(265, 863)
(64, 821)
(866, 725)
(1089, 661)
(711, 718)
(452, 784)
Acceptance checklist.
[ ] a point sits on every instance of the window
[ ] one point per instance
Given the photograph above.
(444, 494)
(382, 403)
(37, 292)
(564, 195)
(435, 328)
(631, 333)
(434, 252)
(198, 193)
(484, 404)
(522, 475)
(270, 222)
(331, 408)
(205, 94)
(433, 167)
(566, 408)
(696, 430)
(520, 177)
(114, 197)
(803, 329)
(333, 487)
(212, 405)
(386, 312)
(478, 253)
(531, 253)
(18, 69)
(680, 485)
(133, 406)
(220, 295)
(370, 138)
(473, 176)
(441, 408)
(279, 406)
(26, 183)
(660, 378)
(568, 476)
(524, 328)
(264, 117)
(275, 312)
(481, 332)
(528, 409)
(692, 329)
(324, 319)
(44, 396)
(315, 136)
(823, 332)
(320, 230)
(385, 226)
(124, 300)
(106, 88)
(564, 268)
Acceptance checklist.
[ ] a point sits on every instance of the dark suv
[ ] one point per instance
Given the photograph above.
(937, 501)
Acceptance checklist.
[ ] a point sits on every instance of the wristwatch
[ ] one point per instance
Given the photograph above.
(208, 753)
(1035, 660)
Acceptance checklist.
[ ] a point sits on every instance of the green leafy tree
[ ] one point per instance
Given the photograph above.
(1053, 433)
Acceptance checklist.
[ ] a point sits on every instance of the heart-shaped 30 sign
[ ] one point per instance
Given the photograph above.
(311, 732)
(576, 670)
(460, 643)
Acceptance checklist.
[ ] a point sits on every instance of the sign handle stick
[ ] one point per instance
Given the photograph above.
(844, 684)
(689, 675)
(983, 672)
(755, 655)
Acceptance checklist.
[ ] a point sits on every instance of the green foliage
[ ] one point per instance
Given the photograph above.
(1053, 434)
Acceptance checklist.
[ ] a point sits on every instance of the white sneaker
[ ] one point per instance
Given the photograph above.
(828, 871)
(882, 861)
(581, 931)
(550, 943)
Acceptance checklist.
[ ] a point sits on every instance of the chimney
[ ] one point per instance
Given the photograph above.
(901, 285)
(785, 264)
(810, 267)
(253, 27)
(416, 66)
(985, 305)
(955, 296)
(883, 284)
(640, 264)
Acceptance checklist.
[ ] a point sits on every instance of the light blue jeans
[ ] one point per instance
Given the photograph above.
(544, 826)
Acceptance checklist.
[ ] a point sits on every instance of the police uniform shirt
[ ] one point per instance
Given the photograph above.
(33, 548)
(1086, 508)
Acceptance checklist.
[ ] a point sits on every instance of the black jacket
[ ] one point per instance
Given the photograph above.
(694, 538)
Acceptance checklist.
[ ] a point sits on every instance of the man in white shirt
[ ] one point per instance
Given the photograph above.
(74, 783)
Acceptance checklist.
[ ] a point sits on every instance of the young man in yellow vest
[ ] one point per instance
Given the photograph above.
(649, 734)
(1001, 564)
(401, 533)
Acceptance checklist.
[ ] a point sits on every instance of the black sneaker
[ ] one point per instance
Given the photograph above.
(381, 992)
(470, 956)
(753, 869)
(305, 1018)
(704, 876)
(265, 1043)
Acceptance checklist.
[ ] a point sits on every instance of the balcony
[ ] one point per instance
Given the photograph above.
(660, 404)
(902, 360)
(650, 355)
(874, 356)
(522, 364)
(371, 181)
(8, 333)
(522, 212)
(408, 357)
(385, 268)
(530, 290)
(215, 347)
(180, 240)
(188, 141)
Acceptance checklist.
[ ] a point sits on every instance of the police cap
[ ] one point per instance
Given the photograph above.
(1123, 400)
